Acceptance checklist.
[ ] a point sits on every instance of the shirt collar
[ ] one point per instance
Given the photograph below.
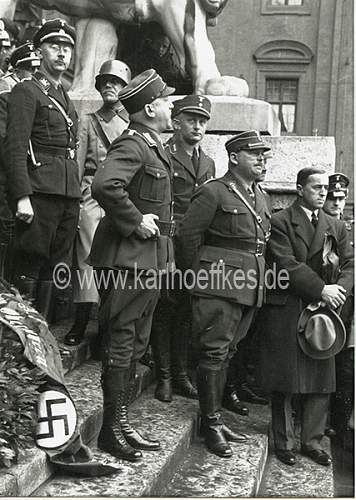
(309, 212)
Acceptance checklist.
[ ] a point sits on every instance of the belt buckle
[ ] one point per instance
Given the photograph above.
(259, 248)
(70, 153)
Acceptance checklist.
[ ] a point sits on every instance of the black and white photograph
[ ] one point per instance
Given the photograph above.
(177, 248)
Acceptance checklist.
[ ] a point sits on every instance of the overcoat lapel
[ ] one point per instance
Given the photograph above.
(203, 164)
(303, 227)
(183, 158)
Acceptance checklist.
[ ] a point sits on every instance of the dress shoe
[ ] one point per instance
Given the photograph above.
(245, 393)
(286, 456)
(318, 456)
(233, 436)
(231, 402)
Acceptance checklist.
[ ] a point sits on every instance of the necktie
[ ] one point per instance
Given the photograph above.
(195, 160)
(314, 219)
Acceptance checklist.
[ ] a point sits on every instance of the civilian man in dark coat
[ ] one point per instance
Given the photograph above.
(171, 325)
(133, 186)
(41, 166)
(296, 245)
(223, 237)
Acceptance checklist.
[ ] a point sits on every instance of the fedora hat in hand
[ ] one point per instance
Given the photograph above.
(321, 332)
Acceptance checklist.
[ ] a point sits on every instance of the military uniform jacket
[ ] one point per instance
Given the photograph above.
(134, 179)
(297, 248)
(219, 230)
(33, 116)
(185, 180)
(96, 131)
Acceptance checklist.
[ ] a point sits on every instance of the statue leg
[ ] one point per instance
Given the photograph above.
(96, 42)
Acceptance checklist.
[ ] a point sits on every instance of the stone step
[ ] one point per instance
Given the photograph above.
(72, 357)
(172, 423)
(203, 474)
(83, 383)
(305, 479)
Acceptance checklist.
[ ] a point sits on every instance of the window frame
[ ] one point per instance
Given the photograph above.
(267, 9)
(280, 103)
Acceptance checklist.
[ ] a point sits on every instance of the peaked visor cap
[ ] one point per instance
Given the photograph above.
(55, 30)
(25, 53)
(250, 140)
(197, 104)
(144, 89)
(338, 185)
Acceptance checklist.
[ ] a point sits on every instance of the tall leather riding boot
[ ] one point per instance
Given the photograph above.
(230, 398)
(161, 343)
(209, 391)
(81, 319)
(179, 359)
(27, 288)
(132, 436)
(229, 434)
(45, 299)
(111, 438)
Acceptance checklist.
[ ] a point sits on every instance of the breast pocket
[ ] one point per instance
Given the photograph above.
(154, 184)
(231, 218)
(179, 182)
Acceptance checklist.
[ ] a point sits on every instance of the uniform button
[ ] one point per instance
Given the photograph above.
(221, 261)
(158, 174)
(175, 174)
(196, 184)
(235, 210)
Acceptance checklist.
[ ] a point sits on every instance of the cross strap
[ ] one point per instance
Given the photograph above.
(232, 186)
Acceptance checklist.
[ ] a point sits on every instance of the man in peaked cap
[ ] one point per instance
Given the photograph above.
(5, 49)
(296, 247)
(24, 60)
(342, 402)
(172, 318)
(225, 229)
(41, 166)
(337, 193)
(96, 132)
(133, 186)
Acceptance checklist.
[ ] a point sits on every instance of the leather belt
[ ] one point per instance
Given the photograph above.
(68, 153)
(257, 248)
(166, 228)
(89, 171)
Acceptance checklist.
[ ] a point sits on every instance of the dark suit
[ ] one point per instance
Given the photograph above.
(134, 179)
(218, 229)
(50, 177)
(297, 247)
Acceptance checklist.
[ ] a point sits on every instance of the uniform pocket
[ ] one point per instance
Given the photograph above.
(230, 217)
(154, 184)
(179, 182)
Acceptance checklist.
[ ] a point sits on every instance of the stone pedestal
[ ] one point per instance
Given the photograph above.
(229, 114)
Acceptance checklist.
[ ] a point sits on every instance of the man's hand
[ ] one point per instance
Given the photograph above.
(24, 210)
(333, 296)
(147, 228)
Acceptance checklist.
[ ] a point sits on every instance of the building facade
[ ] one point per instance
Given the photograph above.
(297, 55)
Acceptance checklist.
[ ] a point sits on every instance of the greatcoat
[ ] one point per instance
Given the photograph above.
(297, 248)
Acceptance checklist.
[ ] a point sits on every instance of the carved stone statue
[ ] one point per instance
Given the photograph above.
(184, 22)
